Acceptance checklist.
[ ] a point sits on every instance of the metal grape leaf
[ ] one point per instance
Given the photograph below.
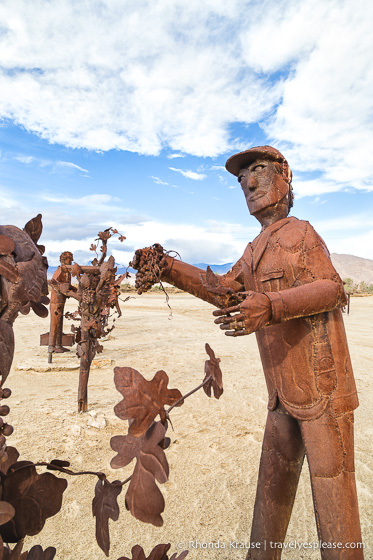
(6, 245)
(137, 553)
(181, 556)
(37, 553)
(158, 553)
(212, 369)
(35, 497)
(13, 455)
(6, 349)
(7, 512)
(143, 399)
(105, 507)
(9, 271)
(34, 228)
(129, 447)
(143, 498)
(15, 554)
(212, 284)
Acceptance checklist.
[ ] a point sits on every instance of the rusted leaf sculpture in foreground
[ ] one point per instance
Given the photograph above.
(143, 400)
(29, 498)
(37, 553)
(35, 497)
(143, 498)
(213, 379)
(105, 507)
(158, 553)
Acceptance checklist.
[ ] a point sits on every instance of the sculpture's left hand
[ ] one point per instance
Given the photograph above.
(247, 317)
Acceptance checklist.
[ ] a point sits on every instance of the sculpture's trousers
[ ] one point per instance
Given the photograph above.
(57, 305)
(328, 444)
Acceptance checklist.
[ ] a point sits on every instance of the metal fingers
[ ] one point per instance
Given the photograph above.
(234, 325)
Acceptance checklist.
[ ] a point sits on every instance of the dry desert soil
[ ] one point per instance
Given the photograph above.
(215, 449)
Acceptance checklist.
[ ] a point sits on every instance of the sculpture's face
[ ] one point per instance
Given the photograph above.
(263, 185)
(66, 258)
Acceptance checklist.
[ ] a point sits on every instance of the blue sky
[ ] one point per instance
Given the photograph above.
(123, 114)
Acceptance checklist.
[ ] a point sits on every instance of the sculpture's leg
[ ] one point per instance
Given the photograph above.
(279, 471)
(57, 307)
(56, 317)
(83, 384)
(87, 353)
(329, 442)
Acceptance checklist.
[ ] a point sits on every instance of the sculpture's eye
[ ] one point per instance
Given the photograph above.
(258, 167)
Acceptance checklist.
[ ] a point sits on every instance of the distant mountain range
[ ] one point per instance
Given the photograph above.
(356, 268)
(347, 266)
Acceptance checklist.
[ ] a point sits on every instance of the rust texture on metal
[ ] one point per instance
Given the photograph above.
(97, 293)
(149, 263)
(27, 498)
(146, 439)
(286, 290)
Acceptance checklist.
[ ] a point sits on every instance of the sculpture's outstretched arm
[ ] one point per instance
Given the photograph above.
(153, 264)
(193, 280)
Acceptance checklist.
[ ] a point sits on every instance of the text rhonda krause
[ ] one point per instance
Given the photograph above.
(294, 545)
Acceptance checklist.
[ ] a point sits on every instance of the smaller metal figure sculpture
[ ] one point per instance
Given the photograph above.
(97, 292)
(56, 339)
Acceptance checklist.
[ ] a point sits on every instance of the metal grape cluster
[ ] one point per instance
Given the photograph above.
(149, 263)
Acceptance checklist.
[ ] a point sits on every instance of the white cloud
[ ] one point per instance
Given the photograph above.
(159, 181)
(25, 159)
(178, 85)
(325, 118)
(72, 166)
(174, 156)
(91, 200)
(190, 174)
(213, 242)
(314, 187)
(352, 234)
(28, 160)
(177, 75)
(348, 225)
(360, 245)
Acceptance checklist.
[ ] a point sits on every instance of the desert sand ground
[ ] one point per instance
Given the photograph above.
(215, 449)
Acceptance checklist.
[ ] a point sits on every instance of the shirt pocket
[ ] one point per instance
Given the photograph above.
(271, 279)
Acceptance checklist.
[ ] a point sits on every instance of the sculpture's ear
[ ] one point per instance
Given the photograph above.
(34, 229)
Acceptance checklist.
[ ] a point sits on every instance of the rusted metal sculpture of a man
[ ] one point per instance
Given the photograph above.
(56, 338)
(292, 302)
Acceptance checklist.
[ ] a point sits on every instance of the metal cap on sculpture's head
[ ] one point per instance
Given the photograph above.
(238, 161)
